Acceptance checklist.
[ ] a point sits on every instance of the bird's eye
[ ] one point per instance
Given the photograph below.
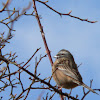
(62, 54)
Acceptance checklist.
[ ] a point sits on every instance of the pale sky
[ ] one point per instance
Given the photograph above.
(82, 39)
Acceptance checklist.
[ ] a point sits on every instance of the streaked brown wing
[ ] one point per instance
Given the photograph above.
(66, 67)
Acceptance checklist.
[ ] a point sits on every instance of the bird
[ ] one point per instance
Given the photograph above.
(65, 71)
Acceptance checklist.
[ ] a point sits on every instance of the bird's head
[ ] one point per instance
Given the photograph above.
(63, 53)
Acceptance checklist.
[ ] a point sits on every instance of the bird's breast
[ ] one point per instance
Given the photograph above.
(62, 79)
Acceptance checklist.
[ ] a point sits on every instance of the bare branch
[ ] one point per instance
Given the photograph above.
(66, 14)
(31, 57)
(42, 33)
(5, 5)
(42, 81)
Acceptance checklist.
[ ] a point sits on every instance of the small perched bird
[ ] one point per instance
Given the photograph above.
(65, 71)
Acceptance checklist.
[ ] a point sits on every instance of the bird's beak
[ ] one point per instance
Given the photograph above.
(55, 56)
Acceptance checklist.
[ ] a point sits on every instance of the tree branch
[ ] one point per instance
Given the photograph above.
(67, 14)
(42, 33)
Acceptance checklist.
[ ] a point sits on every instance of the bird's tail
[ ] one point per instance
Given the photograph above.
(84, 85)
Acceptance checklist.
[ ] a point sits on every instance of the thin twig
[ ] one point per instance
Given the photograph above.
(31, 57)
(67, 14)
(42, 81)
(5, 5)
